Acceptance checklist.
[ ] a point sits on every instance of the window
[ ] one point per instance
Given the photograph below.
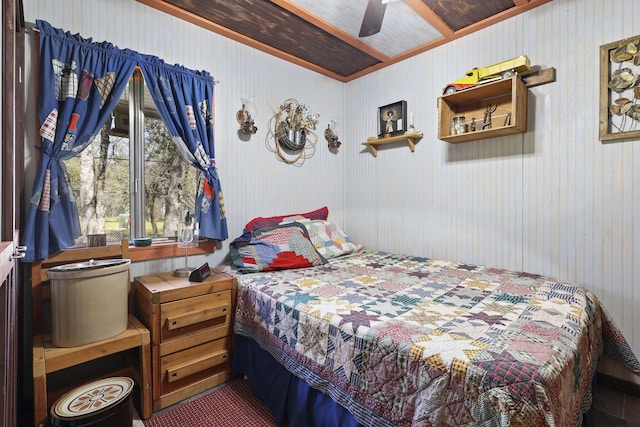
(138, 187)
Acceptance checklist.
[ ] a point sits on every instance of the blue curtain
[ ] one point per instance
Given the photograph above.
(184, 99)
(79, 84)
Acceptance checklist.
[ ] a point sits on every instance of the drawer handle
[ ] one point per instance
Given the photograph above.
(175, 322)
(194, 366)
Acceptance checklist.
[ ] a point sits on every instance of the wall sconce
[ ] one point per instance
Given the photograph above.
(332, 137)
(245, 121)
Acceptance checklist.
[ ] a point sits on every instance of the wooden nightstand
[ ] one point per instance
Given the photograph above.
(191, 326)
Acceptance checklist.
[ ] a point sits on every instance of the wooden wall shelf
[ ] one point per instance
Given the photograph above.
(411, 138)
(507, 98)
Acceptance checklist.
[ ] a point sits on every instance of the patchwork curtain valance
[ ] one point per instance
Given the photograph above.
(80, 83)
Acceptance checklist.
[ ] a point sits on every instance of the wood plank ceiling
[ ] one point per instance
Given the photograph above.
(322, 35)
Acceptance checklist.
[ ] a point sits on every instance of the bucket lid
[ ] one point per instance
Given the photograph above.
(93, 398)
(89, 265)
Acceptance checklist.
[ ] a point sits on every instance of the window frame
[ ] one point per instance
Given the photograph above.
(137, 204)
(136, 152)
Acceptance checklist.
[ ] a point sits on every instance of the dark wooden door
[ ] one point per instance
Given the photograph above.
(11, 172)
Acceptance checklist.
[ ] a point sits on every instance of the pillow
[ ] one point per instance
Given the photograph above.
(272, 221)
(329, 240)
(275, 248)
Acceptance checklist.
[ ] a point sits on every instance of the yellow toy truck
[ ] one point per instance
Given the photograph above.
(501, 70)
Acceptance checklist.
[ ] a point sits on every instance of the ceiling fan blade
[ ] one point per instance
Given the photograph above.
(372, 21)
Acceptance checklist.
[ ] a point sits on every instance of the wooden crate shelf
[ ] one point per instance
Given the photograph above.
(508, 96)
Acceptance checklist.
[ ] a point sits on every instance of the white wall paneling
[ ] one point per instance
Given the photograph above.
(553, 201)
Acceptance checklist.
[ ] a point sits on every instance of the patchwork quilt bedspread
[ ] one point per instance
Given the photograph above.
(408, 341)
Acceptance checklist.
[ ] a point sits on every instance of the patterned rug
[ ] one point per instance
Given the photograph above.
(233, 405)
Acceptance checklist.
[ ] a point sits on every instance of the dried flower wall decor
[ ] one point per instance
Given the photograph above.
(620, 89)
(291, 134)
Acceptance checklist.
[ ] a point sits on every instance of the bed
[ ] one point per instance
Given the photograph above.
(331, 334)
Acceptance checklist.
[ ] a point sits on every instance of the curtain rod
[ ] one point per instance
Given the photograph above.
(31, 26)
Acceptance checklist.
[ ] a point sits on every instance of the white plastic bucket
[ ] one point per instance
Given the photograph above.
(88, 301)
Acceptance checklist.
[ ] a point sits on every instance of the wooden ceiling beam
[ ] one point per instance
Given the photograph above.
(223, 31)
(430, 16)
(500, 17)
(331, 29)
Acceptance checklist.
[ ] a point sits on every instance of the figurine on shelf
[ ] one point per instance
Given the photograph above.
(501, 70)
(391, 116)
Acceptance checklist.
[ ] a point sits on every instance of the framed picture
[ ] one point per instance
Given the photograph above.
(392, 119)
(620, 89)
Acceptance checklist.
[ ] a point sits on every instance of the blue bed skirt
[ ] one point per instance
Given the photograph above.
(291, 400)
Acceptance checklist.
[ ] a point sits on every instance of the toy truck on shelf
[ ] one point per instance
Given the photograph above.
(501, 70)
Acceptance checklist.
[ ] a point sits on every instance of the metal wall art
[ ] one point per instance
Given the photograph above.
(245, 120)
(333, 140)
(291, 134)
(620, 90)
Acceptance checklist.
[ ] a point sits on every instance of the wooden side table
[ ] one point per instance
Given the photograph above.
(191, 325)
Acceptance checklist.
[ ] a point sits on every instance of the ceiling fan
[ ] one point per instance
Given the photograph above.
(372, 21)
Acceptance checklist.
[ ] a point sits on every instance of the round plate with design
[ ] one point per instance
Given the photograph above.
(93, 397)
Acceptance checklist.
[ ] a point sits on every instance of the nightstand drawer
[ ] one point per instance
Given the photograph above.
(186, 366)
(192, 314)
(194, 338)
(191, 325)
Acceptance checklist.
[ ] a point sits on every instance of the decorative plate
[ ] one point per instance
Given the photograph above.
(93, 397)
